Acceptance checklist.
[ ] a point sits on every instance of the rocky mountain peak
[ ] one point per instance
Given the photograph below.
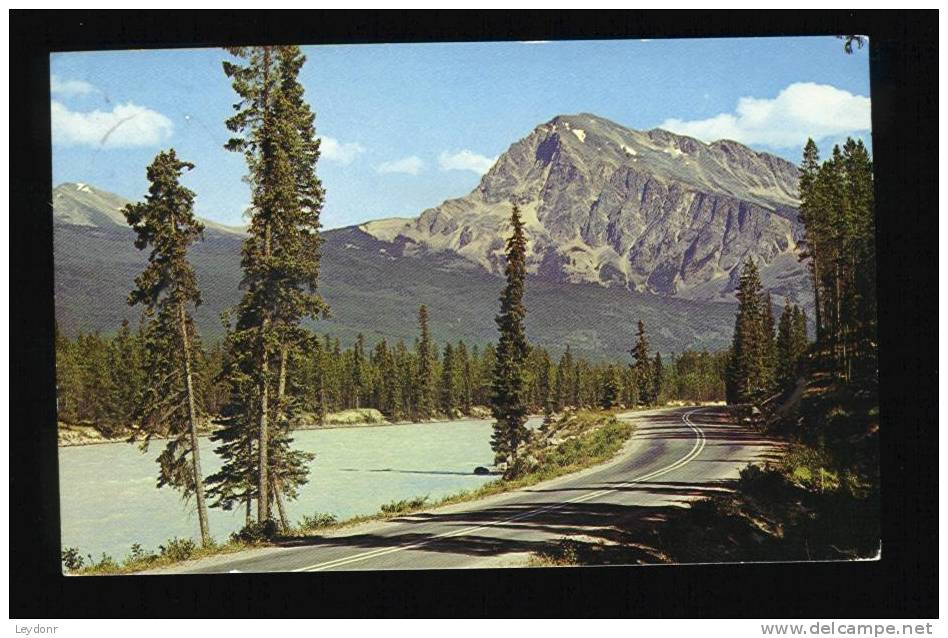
(648, 210)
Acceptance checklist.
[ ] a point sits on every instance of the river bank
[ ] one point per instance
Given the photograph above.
(73, 435)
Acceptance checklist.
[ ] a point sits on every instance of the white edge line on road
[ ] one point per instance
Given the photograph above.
(687, 458)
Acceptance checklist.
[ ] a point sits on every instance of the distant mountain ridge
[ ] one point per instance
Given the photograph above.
(649, 211)
(80, 204)
(373, 287)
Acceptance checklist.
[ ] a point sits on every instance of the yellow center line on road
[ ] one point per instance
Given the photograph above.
(696, 449)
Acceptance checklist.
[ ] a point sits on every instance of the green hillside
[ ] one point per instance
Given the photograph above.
(372, 288)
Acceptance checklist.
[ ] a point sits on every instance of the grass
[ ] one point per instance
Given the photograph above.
(586, 438)
(173, 552)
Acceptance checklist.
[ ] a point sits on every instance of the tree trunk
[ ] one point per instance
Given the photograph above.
(277, 420)
(281, 508)
(818, 318)
(263, 478)
(195, 449)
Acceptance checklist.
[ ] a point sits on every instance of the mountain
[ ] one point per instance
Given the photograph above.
(648, 211)
(373, 287)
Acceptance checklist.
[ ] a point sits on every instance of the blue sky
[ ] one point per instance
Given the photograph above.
(406, 126)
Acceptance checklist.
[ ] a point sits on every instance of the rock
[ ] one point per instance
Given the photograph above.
(649, 210)
(480, 412)
(480, 470)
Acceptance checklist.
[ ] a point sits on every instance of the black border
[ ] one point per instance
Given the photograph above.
(905, 128)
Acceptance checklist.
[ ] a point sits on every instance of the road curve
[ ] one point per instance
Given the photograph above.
(676, 455)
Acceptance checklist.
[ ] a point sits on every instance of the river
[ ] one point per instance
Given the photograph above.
(109, 499)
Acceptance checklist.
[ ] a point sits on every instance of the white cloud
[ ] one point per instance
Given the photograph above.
(69, 87)
(411, 165)
(465, 160)
(801, 110)
(336, 151)
(124, 126)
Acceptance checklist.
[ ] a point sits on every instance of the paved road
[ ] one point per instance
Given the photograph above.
(676, 455)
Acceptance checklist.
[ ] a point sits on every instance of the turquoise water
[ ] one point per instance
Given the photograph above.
(108, 498)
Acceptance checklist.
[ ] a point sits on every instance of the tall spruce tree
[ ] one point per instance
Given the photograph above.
(658, 378)
(750, 370)
(424, 381)
(466, 370)
(167, 288)
(448, 395)
(509, 385)
(612, 389)
(273, 128)
(564, 385)
(642, 365)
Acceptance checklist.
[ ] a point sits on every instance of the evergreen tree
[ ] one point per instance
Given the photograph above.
(791, 345)
(799, 342)
(750, 371)
(563, 388)
(466, 389)
(612, 391)
(424, 382)
(165, 223)
(68, 378)
(448, 395)
(839, 235)
(127, 375)
(770, 360)
(658, 378)
(642, 364)
(509, 401)
(274, 130)
(358, 371)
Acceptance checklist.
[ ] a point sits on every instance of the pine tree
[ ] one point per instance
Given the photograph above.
(658, 378)
(770, 356)
(358, 371)
(799, 342)
(810, 216)
(274, 130)
(563, 388)
(508, 400)
(839, 234)
(165, 223)
(127, 375)
(612, 391)
(466, 390)
(642, 364)
(750, 371)
(68, 378)
(424, 382)
(448, 395)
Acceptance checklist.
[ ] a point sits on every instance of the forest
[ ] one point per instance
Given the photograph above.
(100, 379)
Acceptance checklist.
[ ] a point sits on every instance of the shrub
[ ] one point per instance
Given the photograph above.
(178, 549)
(317, 520)
(256, 532)
(137, 554)
(105, 564)
(72, 559)
(406, 505)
